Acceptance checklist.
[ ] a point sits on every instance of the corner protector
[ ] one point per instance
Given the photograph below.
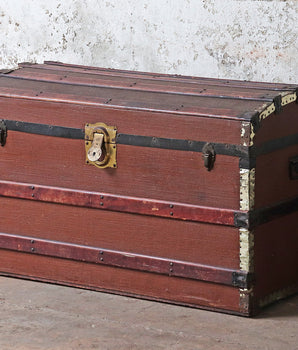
(277, 104)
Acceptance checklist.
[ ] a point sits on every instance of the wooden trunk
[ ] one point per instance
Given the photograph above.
(188, 193)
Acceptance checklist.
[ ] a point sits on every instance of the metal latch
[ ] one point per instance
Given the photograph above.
(100, 145)
(3, 133)
(208, 156)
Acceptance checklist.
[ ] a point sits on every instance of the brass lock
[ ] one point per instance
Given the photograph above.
(100, 145)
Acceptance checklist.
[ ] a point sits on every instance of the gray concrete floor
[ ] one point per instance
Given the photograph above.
(43, 316)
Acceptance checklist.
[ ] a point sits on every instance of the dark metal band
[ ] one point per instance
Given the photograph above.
(181, 145)
(263, 215)
(44, 129)
(247, 155)
(87, 254)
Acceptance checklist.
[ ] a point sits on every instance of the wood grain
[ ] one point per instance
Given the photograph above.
(276, 255)
(126, 121)
(168, 175)
(272, 181)
(122, 98)
(278, 125)
(195, 242)
(133, 83)
(117, 280)
(157, 76)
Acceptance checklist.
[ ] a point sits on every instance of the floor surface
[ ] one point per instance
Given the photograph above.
(43, 316)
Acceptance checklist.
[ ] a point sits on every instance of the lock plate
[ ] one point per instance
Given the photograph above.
(100, 145)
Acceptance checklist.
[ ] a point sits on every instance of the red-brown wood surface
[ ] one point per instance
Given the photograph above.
(104, 201)
(276, 255)
(278, 125)
(132, 83)
(174, 239)
(127, 121)
(122, 98)
(122, 259)
(50, 65)
(127, 282)
(168, 175)
(272, 180)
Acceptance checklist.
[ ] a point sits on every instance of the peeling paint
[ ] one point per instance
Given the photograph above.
(247, 189)
(278, 295)
(246, 250)
(253, 39)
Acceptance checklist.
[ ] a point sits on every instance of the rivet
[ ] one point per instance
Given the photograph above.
(114, 146)
(87, 161)
(101, 259)
(101, 197)
(32, 249)
(32, 187)
(101, 203)
(171, 264)
(87, 143)
(32, 241)
(101, 252)
(171, 206)
(114, 165)
(171, 213)
(32, 195)
(171, 270)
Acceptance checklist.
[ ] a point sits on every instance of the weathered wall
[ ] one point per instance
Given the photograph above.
(242, 39)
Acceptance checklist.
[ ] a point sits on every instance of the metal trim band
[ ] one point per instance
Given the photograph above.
(246, 154)
(88, 254)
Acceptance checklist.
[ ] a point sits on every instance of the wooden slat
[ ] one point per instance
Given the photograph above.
(104, 201)
(120, 281)
(158, 76)
(133, 122)
(141, 171)
(101, 256)
(131, 83)
(202, 243)
(121, 98)
(276, 255)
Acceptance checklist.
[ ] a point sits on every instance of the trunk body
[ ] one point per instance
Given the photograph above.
(193, 199)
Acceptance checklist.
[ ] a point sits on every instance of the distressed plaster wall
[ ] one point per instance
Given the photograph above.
(242, 39)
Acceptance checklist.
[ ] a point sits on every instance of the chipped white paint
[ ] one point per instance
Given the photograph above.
(252, 39)
(246, 250)
(245, 133)
(278, 295)
(247, 189)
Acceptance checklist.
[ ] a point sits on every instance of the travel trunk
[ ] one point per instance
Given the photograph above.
(169, 188)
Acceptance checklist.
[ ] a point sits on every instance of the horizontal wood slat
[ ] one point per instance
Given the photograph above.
(142, 84)
(122, 98)
(50, 65)
(126, 204)
(96, 255)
